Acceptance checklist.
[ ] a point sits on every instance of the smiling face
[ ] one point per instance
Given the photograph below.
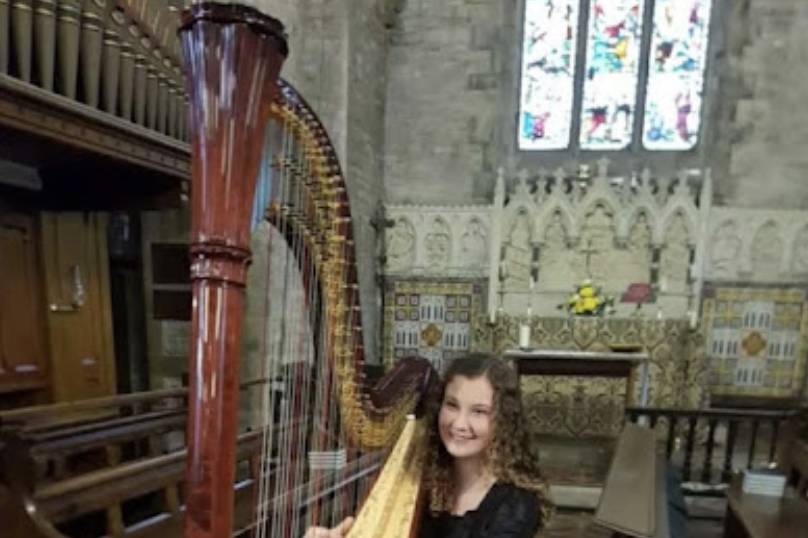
(465, 422)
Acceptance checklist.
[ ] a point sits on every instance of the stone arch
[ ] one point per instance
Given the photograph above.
(687, 217)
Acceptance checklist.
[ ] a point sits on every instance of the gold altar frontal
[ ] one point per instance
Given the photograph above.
(609, 364)
(586, 406)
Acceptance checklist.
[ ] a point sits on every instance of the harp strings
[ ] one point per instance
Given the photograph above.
(309, 473)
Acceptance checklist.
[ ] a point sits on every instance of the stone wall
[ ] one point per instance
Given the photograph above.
(338, 63)
(760, 135)
(453, 92)
(442, 101)
(365, 142)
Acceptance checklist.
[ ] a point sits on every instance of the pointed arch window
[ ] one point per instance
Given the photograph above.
(640, 79)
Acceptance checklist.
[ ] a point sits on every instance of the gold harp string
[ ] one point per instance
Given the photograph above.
(323, 237)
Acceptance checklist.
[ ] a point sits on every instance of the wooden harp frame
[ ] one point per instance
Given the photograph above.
(233, 56)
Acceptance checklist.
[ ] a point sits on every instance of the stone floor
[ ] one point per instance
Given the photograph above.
(569, 524)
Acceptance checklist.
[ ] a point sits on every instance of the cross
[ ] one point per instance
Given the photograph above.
(589, 250)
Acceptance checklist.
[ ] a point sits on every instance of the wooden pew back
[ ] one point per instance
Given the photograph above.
(63, 440)
(94, 504)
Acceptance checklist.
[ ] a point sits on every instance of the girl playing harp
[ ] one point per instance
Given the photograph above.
(480, 477)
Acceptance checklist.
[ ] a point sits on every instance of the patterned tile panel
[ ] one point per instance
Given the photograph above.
(756, 340)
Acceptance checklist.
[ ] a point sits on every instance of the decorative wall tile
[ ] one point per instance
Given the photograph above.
(431, 319)
(756, 339)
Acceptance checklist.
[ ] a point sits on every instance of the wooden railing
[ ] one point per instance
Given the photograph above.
(748, 438)
(118, 56)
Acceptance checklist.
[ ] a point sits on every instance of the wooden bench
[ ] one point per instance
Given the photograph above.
(140, 499)
(760, 516)
(69, 414)
(796, 462)
(67, 439)
(63, 440)
(634, 501)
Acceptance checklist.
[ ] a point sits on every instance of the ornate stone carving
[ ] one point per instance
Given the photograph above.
(400, 244)
(452, 241)
(767, 252)
(636, 267)
(438, 245)
(596, 248)
(555, 258)
(675, 258)
(800, 263)
(599, 217)
(611, 222)
(757, 245)
(516, 254)
(725, 250)
(474, 243)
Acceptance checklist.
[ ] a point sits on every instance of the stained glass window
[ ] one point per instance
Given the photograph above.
(610, 80)
(548, 73)
(598, 98)
(676, 74)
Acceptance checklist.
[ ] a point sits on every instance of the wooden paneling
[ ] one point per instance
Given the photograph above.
(79, 307)
(23, 360)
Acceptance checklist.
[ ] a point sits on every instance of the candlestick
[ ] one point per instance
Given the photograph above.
(693, 319)
(524, 336)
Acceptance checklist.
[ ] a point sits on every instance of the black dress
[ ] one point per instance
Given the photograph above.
(506, 511)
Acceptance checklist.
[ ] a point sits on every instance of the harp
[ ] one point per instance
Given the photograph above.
(325, 430)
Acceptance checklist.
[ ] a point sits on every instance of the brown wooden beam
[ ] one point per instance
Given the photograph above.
(69, 125)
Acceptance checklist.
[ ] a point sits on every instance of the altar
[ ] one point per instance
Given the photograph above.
(579, 402)
(610, 364)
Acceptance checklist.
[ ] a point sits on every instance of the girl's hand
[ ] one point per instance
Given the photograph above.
(340, 531)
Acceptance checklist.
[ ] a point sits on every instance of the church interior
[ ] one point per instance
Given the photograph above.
(610, 194)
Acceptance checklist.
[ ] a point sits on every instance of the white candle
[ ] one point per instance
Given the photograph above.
(524, 336)
(693, 319)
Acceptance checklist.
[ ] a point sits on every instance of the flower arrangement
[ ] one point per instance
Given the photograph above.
(588, 300)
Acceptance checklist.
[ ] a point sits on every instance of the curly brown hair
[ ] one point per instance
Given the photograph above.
(508, 456)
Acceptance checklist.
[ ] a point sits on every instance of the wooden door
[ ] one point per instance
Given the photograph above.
(23, 359)
(76, 265)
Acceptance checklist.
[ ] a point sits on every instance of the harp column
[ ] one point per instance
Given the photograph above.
(233, 55)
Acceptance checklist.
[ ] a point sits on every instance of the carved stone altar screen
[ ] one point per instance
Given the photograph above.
(560, 227)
